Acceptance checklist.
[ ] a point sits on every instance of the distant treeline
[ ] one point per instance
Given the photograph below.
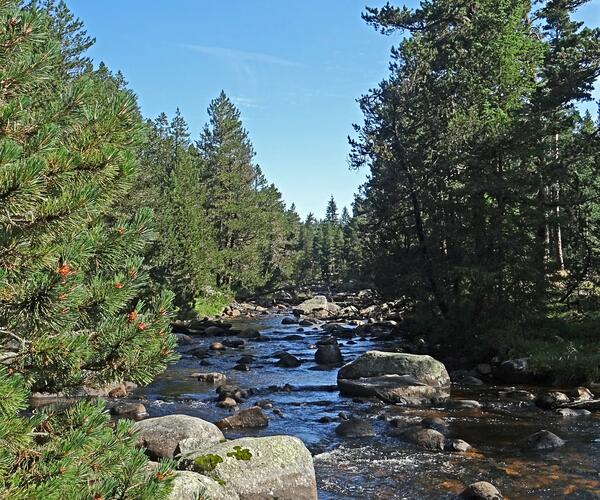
(222, 231)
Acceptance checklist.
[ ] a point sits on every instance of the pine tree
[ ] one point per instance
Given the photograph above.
(475, 205)
(70, 283)
(71, 31)
(237, 196)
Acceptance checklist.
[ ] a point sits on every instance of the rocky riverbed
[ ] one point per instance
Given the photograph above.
(373, 447)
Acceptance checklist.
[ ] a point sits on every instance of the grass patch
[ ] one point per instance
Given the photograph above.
(213, 303)
(565, 345)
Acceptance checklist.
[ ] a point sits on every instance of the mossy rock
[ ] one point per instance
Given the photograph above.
(269, 467)
(206, 463)
(193, 486)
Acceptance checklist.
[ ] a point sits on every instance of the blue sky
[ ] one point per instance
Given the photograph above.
(294, 68)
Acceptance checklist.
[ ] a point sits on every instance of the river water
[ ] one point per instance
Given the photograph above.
(383, 467)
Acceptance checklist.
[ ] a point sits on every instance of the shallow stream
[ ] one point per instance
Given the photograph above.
(383, 467)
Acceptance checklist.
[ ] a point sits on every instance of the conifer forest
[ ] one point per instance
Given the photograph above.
(172, 328)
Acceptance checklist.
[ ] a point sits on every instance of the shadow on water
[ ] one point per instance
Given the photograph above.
(384, 467)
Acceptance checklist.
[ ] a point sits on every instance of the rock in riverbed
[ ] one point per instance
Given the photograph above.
(328, 353)
(550, 400)
(166, 437)
(250, 417)
(543, 440)
(355, 427)
(481, 490)
(287, 360)
(428, 439)
(317, 303)
(395, 378)
(274, 467)
(569, 413)
(134, 411)
(210, 378)
(189, 485)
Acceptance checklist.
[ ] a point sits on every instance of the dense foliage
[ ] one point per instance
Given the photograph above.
(223, 230)
(482, 205)
(71, 280)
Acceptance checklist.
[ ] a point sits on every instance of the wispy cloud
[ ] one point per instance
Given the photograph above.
(247, 102)
(241, 55)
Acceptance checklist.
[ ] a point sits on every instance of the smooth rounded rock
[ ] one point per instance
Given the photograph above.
(287, 360)
(189, 485)
(227, 403)
(168, 436)
(482, 490)
(428, 439)
(395, 378)
(249, 418)
(329, 354)
(355, 427)
(134, 411)
(544, 440)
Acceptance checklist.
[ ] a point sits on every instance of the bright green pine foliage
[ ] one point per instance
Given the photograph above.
(70, 313)
(69, 282)
(71, 454)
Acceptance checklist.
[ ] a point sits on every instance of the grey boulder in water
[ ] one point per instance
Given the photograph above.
(402, 378)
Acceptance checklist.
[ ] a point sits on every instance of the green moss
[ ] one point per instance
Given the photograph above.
(206, 463)
(240, 453)
(219, 481)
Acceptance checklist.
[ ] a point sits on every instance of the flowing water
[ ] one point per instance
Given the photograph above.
(383, 467)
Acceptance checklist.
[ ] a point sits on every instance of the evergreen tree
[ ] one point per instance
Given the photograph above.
(239, 203)
(475, 196)
(70, 284)
(71, 31)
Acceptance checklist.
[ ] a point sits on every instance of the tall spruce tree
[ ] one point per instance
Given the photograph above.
(238, 201)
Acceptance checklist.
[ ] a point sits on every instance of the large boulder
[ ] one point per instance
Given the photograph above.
(189, 485)
(171, 435)
(317, 303)
(274, 467)
(395, 378)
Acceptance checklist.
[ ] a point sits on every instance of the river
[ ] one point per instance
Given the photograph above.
(383, 467)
